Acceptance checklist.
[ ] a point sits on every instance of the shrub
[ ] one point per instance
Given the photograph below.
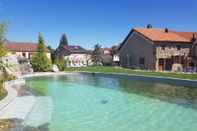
(40, 63)
(62, 64)
(4, 77)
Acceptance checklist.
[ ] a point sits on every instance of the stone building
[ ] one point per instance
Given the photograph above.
(159, 49)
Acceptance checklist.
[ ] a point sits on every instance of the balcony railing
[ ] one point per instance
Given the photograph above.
(169, 52)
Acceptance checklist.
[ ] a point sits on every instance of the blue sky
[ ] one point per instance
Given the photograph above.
(88, 22)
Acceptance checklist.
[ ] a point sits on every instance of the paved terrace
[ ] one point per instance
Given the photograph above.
(32, 111)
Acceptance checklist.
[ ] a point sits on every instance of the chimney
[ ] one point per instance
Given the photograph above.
(166, 30)
(149, 26)
(193, 39)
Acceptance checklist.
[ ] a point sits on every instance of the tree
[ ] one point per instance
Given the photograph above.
(97, 55)
(40, 61)
(62, 63)
(114, 50)
(52, 51)
(50, 48)
(60, 49)
(3, 50)
(63, 41)
(41, 46)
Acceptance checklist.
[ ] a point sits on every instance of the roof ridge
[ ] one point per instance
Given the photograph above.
(185, 31)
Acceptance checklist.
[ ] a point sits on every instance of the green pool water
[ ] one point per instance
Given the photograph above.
(103, 103)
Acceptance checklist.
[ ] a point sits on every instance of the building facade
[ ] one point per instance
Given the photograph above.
(158, 49)
(24, 49)
(76, 56)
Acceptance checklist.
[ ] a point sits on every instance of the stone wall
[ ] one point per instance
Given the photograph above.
(10, 64)
(135, 48)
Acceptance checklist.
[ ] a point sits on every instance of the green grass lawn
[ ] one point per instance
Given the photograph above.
(109, 70)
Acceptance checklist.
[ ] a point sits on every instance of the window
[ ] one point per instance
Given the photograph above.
(154, 52)
(178, 47)
(24, 54)
(30, 55)
(142, 61)
(163, 47)
(161, 61)
(177, 59)
(191, 64)
(128, 60)
(195, 50)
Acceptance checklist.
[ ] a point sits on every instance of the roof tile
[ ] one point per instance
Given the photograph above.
(159, 35)
(22, 46)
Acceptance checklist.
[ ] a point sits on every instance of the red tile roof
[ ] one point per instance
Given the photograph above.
(187, 35)
(22, 46)
(159, 35)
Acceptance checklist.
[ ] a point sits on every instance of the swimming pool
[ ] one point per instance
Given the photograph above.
(91, 102)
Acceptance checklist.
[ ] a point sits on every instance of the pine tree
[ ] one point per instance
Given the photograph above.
(59, 51)
(41, 46)
(40, 61)
(63, 41)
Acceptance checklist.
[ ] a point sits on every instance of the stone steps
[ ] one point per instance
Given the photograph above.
(18, 108)
(41, 112)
